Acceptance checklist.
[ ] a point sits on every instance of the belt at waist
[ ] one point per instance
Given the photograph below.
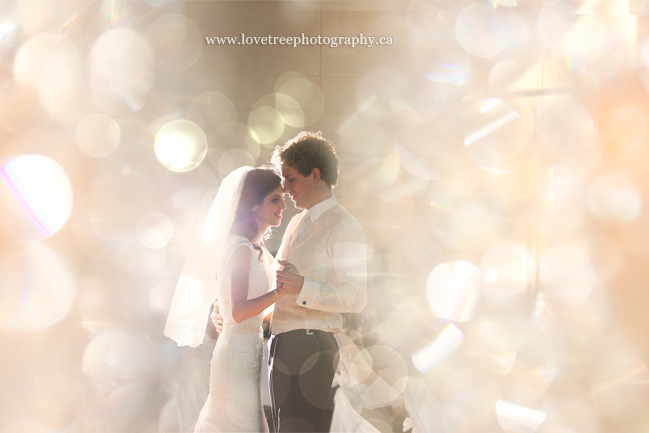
(308, 332)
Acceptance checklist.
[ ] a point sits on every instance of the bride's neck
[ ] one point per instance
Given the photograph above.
(259, 237)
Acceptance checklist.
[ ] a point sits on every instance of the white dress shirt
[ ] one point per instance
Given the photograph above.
(331, 255)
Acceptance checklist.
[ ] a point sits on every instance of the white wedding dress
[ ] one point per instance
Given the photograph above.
(234, 401)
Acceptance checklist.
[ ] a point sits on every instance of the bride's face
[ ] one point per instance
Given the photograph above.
(269, 212)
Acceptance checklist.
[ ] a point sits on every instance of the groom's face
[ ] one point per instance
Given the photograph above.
(299, 188)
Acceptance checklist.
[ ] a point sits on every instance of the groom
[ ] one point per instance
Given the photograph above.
(323, 256)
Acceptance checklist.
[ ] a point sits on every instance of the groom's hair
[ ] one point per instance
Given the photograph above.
(306, 151)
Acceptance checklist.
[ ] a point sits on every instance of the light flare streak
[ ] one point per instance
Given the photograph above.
(518, 419)
(26, 198)
(482, 133)
(447, 342)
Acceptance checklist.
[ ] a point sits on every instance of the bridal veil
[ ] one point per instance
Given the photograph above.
(196, 289)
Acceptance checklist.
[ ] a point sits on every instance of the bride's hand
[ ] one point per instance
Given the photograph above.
(282, 291)
(289, 267)
(288, 282)
(217, 319)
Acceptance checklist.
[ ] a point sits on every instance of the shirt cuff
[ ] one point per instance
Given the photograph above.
(309, 293)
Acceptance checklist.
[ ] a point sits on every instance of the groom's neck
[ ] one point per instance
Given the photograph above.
(320, 195)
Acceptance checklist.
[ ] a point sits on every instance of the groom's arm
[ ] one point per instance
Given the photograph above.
(347, 293)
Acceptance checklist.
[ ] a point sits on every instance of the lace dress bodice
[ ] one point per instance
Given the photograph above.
(259, 284)
(234, 402)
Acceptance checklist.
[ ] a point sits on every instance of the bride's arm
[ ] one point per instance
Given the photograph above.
(242, 307)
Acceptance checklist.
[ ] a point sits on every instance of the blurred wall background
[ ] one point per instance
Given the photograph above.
(495, 154)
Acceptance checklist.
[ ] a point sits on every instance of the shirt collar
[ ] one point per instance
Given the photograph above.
(320, 208)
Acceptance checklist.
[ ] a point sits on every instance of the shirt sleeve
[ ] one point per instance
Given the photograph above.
(347, 251)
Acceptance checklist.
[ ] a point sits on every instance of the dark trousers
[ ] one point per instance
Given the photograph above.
(302, 368)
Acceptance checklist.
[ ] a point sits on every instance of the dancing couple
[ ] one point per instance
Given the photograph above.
(320, 271)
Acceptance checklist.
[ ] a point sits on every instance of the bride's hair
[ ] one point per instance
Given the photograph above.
(259, 183)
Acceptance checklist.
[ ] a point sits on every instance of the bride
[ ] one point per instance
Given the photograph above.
(249, 202)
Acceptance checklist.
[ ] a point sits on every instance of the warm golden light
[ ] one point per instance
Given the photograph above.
(180, 146)
(494, 154)
(36, 197)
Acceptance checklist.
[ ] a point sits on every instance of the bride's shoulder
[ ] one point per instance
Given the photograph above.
(235, 241)
(237, 246)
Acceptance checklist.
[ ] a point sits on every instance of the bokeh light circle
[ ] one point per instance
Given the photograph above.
(449, 66)
(305, 92)
(267, 123)
(34, 15)
(554, 21)
(31, 59)
(233, 159)
(606, 256)
(481, 31)
(497, 133)
(506, 268)
(515, 418)
(453, 290)
(566, 272)
(127, 401)
(37, 287)
(290, 110)
(405, 253)
(176, 41)
(160, 298)
(98, 135)
(508, 3)
(180, 145)
(21, 111)
(121, 72)
(231, 136)
(387, 173)
(47, 58)
(472, 226)
(138, 259)
(447, 342)
(562, 202)
(36, 197)
(52, 64)
(470, 398)
(615, 198)
(505, 75)
(361, 365)
(154, 230)
(627, 125)
(210, 110)
(22, 425)
(414, 164)
(117, 356)
(493, 349)
(578, 411)
(392, 376)
(566, 130)
(419, 106)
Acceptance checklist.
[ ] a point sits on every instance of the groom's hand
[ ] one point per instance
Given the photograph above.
(217, 319)
(289, 282)
(288, 267)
